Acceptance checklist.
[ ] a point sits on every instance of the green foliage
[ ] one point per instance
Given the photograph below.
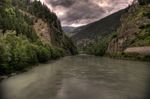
(22, 48)
(68, 45)
(135, 56)
(43, 54)
(12, 19)
(99, 47)
(21, 4)
(42, 11)
(17, 52)
(143, 2)
(56, 52)
(143, 37)
(38, 9)
(146, 58)
(146, 14)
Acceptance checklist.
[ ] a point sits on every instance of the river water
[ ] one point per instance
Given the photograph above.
(81, 77)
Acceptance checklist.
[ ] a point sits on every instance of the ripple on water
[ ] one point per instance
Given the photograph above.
(81, 77)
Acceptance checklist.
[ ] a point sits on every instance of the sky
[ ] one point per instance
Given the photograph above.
(81, 12)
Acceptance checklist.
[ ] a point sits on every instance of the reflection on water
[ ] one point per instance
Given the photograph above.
(81, 77)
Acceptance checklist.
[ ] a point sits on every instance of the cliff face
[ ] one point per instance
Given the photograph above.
(48, 28)
(29, 34)
(42, 22)
(134, 30)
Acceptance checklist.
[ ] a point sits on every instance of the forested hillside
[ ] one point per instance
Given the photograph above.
(132, 38)
(29, 33)
(86, 34)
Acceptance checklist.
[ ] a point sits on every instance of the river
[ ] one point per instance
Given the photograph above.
(81, 77)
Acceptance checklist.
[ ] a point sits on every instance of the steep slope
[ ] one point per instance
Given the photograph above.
(68, 29)
(133, 36)
(48, 25)
(29, 33)
(99, 28)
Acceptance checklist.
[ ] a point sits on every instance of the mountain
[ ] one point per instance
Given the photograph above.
(68, 30)
(131, 40)
(133, 36)
(29, 34)
(99, 28)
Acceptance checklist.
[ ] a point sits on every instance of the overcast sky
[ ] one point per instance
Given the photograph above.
(81, 12)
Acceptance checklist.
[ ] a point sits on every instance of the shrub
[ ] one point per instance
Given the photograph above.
(99, 47)
(18, 52)
(57, 52)
(42, 53)
(146, 57)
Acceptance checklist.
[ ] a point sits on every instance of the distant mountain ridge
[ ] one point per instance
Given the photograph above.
(131, 40)
(99, 28)
(68, 28)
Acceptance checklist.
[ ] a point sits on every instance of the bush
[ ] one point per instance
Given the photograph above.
(4, 57)
(12, 19)
(99, 47)
(56, 53)
(42, 53)
(19, 51)
(146, 58)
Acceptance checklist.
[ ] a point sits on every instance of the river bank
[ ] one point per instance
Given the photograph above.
(6, 76)
(119, 56)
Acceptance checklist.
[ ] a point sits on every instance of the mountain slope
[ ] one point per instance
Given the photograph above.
(133, 36)
(68, 30)
(99, 28)
(29, 33)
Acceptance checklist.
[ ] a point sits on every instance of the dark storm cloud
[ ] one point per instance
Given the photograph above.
(78, 12)
(65, 3)
(82, 12)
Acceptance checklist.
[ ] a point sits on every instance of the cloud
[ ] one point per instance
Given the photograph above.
(65, 3)
(80, 12)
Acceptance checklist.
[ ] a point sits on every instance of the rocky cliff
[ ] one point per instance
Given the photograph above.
(29, 34)
(134, 30)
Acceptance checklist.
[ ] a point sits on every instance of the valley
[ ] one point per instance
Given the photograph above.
(116, 34)
(44, 55)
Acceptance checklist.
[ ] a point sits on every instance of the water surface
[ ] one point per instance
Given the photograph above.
(81, 77)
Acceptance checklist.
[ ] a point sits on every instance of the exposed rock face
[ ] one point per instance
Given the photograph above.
(52, 33)
(43, 30)
(134, 23)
